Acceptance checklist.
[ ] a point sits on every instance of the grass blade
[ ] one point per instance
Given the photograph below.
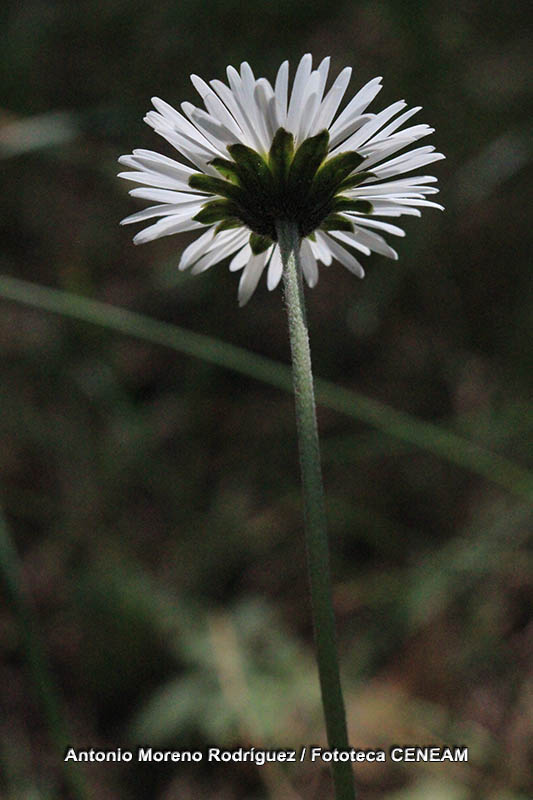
(425, 435)
(39, 670)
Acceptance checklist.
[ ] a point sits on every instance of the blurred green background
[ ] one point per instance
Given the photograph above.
(154, 498)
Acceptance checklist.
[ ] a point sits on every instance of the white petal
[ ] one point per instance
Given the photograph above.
(298, 91)
(254, 112)
(413, 133)
(364, 133)
(388, 170)
(352, 240)
(190, 144)
(169, 117)
(308, 114)
(331, 102)
(272, 117)
(346, 258)
(155, 179)
(355, 108)
(196, 249)
(220, 251)
(154, 162)
(418, 157)
(280, 90)
(166, 196)
(373, 189)
(246, 105)
(164, 210)
(374, 196)
(355, 124)
(262, 96)
(275, 270)
(321, 249)
(242, 258)
(309, 266)
(312, 99)
(375, 153)
(387, 208)
(323, 70)
(166, 227)
(194, 152)
(415, 181)
(215, 131)
(215, 106)
(409, 201)
(360, 100)
(248, 138)
(368, 222)
(392, 126)
(370, 240)
(248, 77)
(250, 276)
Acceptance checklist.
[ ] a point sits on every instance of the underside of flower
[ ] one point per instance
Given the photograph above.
(300, 186)
(262, 155)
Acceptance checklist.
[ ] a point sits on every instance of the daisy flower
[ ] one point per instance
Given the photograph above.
(259, 154)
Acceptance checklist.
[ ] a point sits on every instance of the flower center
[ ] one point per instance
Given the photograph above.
(299, 186)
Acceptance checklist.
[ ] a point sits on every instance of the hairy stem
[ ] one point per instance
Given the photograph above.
(315, 513)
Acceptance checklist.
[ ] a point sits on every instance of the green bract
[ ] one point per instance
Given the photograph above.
(298, 186)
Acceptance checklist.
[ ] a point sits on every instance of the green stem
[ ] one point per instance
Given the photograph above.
(37, 663)
(315, 512)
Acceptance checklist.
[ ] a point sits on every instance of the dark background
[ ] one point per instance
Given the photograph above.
(154, 498)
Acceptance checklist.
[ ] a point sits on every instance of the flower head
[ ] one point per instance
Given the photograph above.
(261, 155)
